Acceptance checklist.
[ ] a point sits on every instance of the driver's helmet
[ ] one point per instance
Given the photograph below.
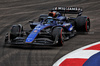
(50, 20)
(54, 14)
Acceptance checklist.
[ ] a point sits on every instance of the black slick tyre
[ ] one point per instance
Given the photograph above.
(43, 17)
(58, 36)
(82, 24)
(16, 31)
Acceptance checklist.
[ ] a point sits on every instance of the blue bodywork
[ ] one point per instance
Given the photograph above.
(41, 26)
(35, 32)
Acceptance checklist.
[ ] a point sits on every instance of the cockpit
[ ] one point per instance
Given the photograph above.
(49, 20)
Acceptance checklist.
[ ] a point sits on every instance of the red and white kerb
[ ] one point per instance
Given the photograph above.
(79, 56)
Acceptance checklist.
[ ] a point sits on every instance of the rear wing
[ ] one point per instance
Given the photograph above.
(68, 10)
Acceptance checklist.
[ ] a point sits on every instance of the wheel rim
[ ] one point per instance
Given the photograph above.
(87, 25)
(62, 36)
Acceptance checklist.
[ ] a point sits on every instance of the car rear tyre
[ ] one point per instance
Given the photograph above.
(43, 17)
(82, 24)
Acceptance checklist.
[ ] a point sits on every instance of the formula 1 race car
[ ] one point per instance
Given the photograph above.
(51, 29)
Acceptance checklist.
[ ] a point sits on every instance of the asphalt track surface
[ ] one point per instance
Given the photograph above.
(16, 11)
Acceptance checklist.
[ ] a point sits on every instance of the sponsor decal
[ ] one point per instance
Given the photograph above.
(35, 30)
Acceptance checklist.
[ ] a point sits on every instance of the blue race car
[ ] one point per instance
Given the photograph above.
(51, 29)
